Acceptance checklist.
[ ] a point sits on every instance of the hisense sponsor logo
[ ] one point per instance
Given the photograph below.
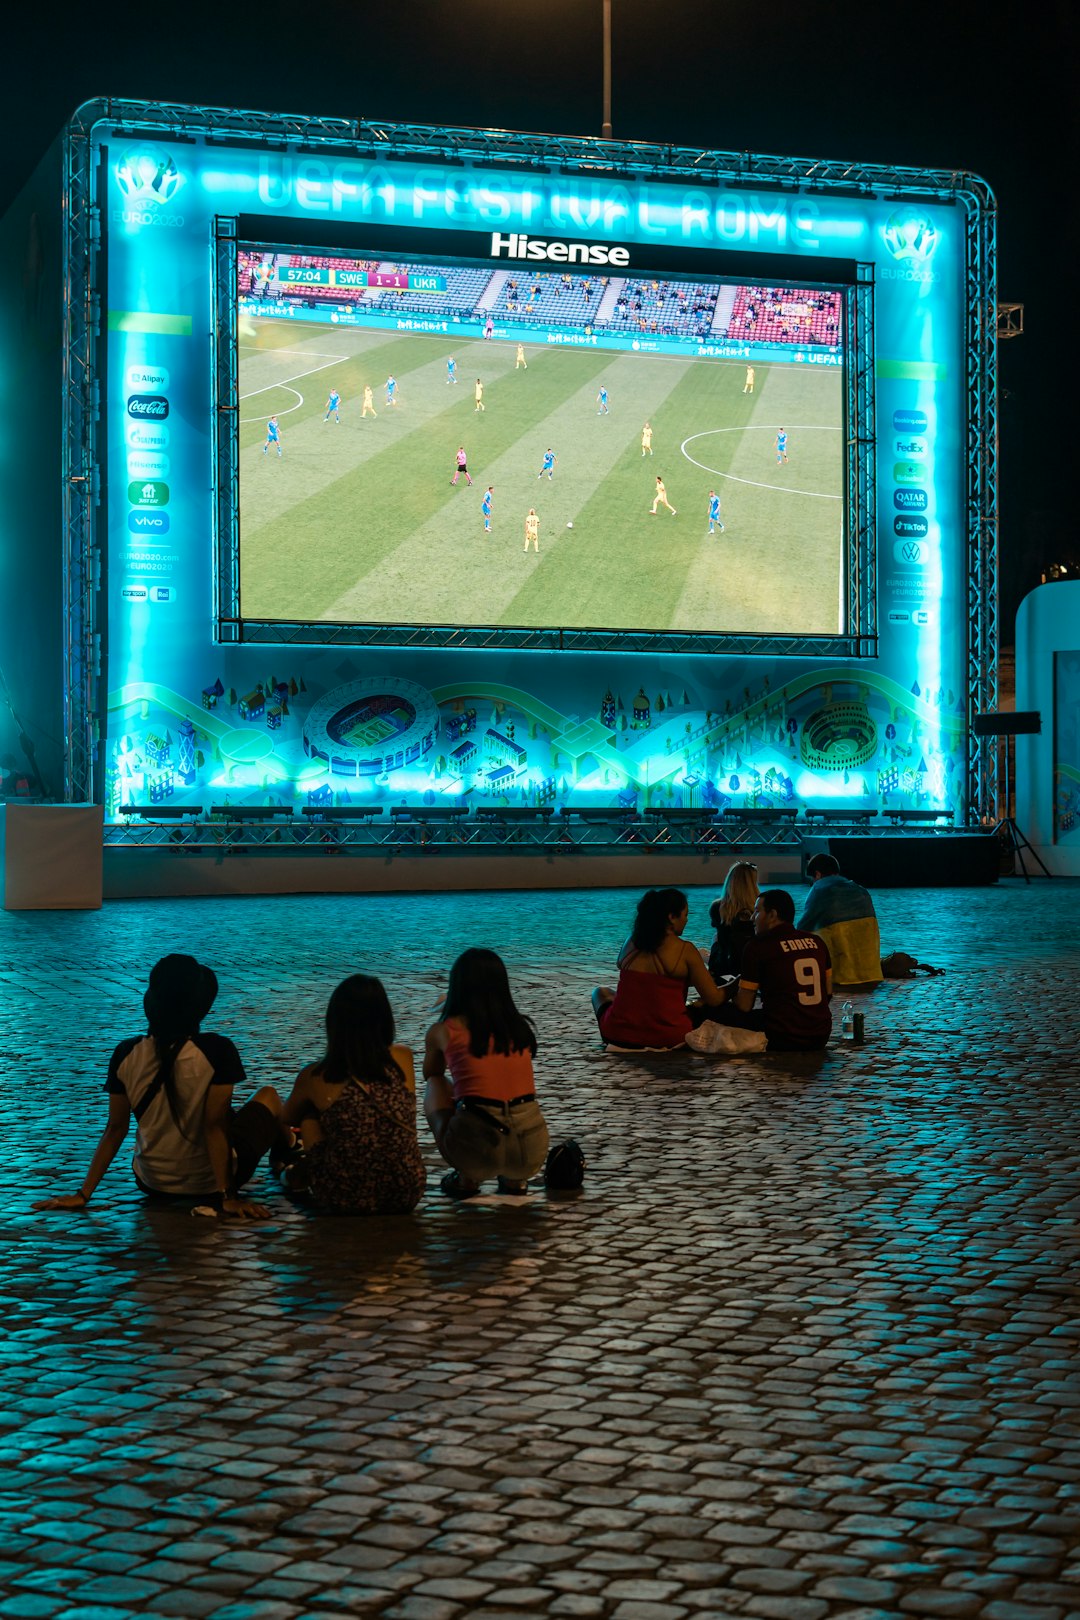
(516, 245)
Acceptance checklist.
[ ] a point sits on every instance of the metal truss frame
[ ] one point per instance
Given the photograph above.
(225, 433)
(980, 236)
(861, 444)
(217, 835)
(81, 547)
(502, 149)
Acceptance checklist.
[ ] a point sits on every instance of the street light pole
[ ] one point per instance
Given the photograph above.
(606, 129)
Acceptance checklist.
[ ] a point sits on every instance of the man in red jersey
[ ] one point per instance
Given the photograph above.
(791, 972)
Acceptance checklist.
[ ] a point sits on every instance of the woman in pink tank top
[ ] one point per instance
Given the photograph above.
(485, 1118)
(656, 968)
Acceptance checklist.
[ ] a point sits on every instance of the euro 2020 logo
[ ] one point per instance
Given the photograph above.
(148, 179)
(910, 237)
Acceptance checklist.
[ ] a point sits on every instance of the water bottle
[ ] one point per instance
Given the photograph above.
(847, 1021)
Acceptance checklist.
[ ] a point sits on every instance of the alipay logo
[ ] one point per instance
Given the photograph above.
(910, 236)
(148, 179)
(147, 379)
(151, 493)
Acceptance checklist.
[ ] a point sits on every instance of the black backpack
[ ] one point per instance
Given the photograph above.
(565, 1167)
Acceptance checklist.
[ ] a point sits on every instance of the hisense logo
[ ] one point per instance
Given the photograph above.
(519, 246)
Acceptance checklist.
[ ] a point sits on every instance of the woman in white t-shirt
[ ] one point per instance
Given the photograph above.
(190, 1143)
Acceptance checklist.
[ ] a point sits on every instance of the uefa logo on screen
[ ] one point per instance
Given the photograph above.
(911, 237)
(148, 179)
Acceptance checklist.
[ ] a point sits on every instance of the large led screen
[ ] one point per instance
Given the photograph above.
(468, 445)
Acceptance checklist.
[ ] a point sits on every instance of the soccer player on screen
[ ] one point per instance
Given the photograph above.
(478, 395)
(532, 530)
(273, 436)
(462, 466)
(521, 360)
(714, 513)
(485, 507)
(550, 458)
(781, 446)
(602, 400)
(646, 440)
(391, 389)
(333, 406)
(661, 498)
(368, 408)
(451, 371)
(748, 385)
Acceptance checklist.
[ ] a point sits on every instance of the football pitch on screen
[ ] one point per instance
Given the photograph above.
(358, 522)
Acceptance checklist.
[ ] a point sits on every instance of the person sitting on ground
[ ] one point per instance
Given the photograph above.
(355, 1111)
(842, 914)
(485, 1119)
(733, 918)
(792, 973)
(190, 1143)
(656, 968)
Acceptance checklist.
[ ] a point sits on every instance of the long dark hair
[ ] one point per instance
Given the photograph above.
(179, 994)
(655, 910)
(359, 1033)
(479, 994)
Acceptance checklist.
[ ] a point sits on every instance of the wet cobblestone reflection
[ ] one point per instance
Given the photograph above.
(805, 1346)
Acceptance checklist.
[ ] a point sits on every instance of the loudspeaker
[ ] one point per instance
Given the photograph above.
(1020, 723)
(952, 861)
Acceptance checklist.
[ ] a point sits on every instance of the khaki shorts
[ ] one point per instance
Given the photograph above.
(484, 1140)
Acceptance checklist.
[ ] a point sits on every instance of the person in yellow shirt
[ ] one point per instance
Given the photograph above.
(532, 530)
(369, 404)
(646, 440)
(748, 385)
(478, 394)
(521, 360)
(661, 497)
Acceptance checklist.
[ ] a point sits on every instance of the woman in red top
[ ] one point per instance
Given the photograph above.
(656, 969)
(485, 1119)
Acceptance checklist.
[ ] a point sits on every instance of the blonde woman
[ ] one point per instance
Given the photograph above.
(732, 917)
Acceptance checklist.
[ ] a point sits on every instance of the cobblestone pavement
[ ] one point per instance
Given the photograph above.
(805, 1346)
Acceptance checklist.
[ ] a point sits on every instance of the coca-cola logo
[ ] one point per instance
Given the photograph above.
(149, 407)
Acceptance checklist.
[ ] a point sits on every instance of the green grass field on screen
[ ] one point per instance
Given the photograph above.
(357, 522)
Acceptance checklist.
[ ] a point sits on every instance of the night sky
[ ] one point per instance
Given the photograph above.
(946, 86)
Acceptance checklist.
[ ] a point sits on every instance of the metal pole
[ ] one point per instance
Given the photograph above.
(606, 127)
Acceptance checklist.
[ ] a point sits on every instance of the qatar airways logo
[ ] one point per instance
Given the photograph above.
(516, 245)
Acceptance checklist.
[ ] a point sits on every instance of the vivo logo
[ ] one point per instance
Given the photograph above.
(516, 245)
(148, 522)
(148, 407)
